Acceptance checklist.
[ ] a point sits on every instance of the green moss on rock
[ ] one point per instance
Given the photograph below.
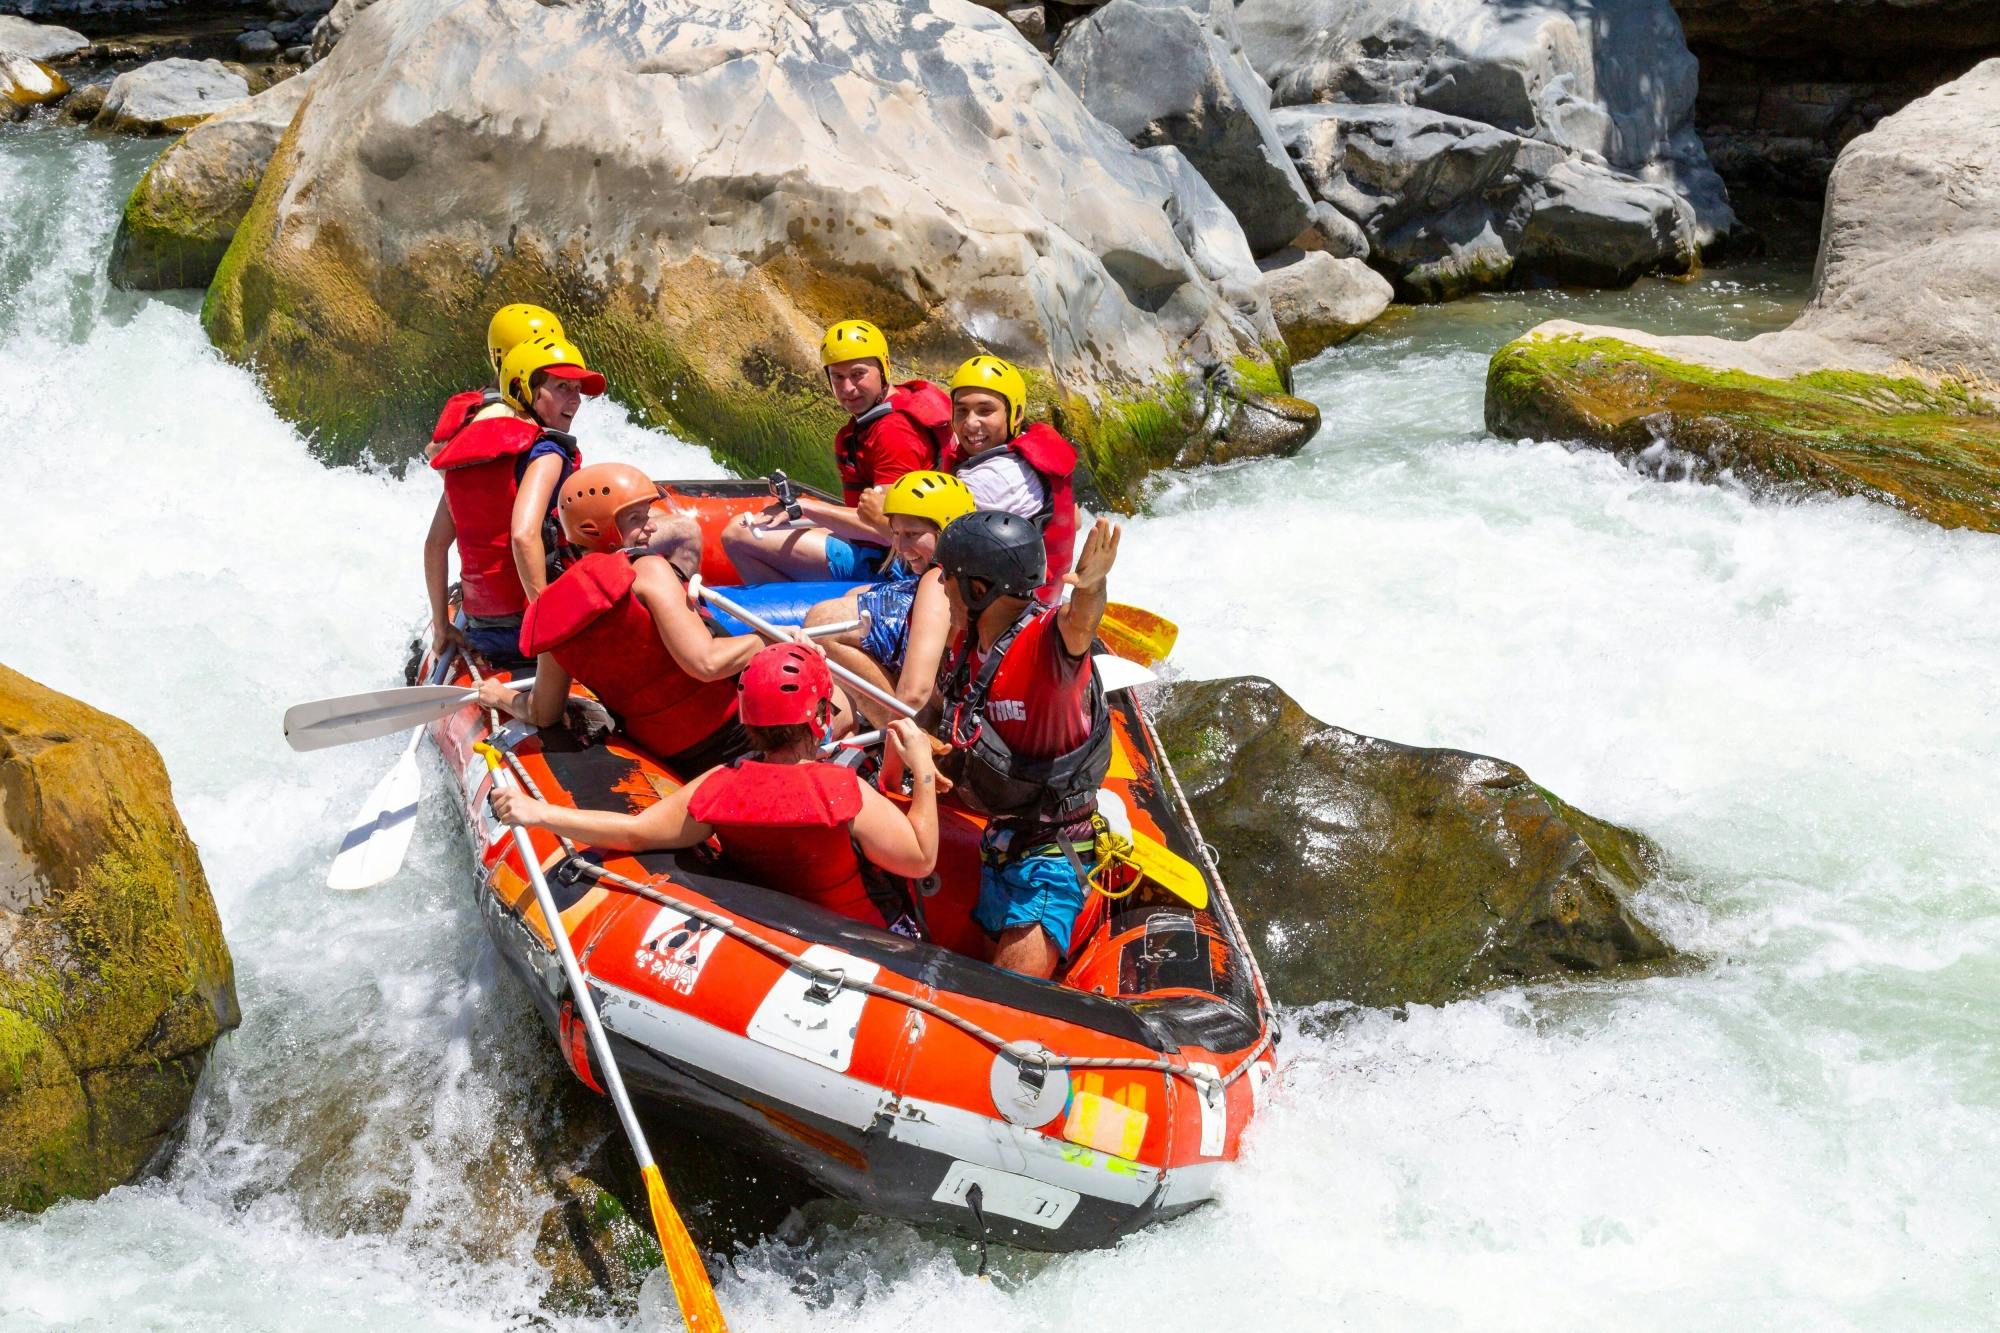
(1930, 447)
(169, 237)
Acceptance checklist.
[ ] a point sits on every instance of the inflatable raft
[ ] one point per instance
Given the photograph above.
(909, 1078)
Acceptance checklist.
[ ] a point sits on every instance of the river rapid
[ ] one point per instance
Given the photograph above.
(1798, 701)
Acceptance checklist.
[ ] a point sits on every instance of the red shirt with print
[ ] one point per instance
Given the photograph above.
(888, 447)
(1040, 700)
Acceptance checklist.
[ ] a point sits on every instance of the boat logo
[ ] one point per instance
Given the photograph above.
(675, 948)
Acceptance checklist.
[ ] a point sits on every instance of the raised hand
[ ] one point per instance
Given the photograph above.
(1094, 561)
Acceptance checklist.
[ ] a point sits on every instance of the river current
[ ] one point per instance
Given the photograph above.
(1797, 700)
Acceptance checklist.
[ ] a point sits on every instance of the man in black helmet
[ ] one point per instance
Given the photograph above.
(1026, 717)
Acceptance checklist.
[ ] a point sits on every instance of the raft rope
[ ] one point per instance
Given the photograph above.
(834, 978)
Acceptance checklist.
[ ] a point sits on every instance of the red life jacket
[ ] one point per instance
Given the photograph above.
(479, 485)
(789, 827)
(922, 407)
(459, 410)
(1054, 460)
(605, 637)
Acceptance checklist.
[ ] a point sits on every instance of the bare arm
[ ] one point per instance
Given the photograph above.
(524, 532)
(1080, 616)
(437, 575)
(681, 627)
(541, 705)
(903, 844)
(662, 826)
(930, 631)
(852, 524)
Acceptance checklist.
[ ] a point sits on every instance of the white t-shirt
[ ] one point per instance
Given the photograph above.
(1001, 479)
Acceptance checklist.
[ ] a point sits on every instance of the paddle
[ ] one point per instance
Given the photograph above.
(320, 723)
(378, 837)
(1171, 871)
(692, 1288)
(841, 673)
(1136, 633)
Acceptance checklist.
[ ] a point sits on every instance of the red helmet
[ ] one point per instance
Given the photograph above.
(784, 684)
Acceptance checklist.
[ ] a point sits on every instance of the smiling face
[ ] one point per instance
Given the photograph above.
(556, 401)
(857, 385)
(979, 419)
(914, 540)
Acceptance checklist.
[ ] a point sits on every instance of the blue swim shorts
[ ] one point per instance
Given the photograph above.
(1031, 891)
(853, 562)
(887, 607)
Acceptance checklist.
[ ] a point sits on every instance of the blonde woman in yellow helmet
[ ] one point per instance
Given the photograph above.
(501, 474)
(510, 326)
(890, 429)
(906, 619)
(1010, 463)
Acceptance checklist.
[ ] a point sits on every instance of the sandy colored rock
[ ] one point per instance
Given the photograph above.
(47, 42)
(183, 213)
(169, 96)
(26, 84)
(1884, 385)
(1385, 874)
(1319, 300)
(114, 979)
(437, 172)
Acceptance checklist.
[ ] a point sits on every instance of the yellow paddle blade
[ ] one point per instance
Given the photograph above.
(1172, 872)
(1136, 633)
(691, 1285)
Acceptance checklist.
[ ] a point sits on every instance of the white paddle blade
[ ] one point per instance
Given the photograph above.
(1119, 673)
(320, 723)
(378, 839)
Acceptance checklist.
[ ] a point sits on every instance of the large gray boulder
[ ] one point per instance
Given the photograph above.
(183, 213)
(169, 96)
(1173, 72)
(1884, 385)
(699, 188)
(1320, 300)
(1451, 205)
(1452, 94)
(45, 42)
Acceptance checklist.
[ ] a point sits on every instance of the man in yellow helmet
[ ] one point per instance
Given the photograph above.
(510, 326)
(906, 619)
(501, 475)
(1010, 464)
(891, 429)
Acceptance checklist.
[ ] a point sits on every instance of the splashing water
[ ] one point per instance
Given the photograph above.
(1797, 700)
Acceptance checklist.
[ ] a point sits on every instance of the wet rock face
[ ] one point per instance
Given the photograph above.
(916, 163)
(1884, 385)
(1385, 874)
(1481, 147)
(114, 979)
(1174, 72)
(183, 213)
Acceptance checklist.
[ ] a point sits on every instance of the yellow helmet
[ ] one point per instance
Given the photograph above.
(937, 496)
(995, 376)
(854, 340)
(513, 325)
(518, 367)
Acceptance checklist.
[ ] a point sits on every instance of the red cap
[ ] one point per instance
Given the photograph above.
(784, 684)
(589, 381)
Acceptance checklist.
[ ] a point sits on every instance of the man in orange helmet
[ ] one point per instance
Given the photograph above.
(619, 621)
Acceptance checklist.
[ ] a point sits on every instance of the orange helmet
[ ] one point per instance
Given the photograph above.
(591, 499)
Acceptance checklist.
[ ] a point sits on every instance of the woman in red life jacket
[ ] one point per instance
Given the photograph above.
(500, 480)
(784, 818)
(891, 429)
(1028, 472)
(619, 621)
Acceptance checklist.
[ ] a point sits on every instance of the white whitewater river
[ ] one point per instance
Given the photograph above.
(1802, 1131)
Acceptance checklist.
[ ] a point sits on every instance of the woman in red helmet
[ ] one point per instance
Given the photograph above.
(784, 818)
(619, 621)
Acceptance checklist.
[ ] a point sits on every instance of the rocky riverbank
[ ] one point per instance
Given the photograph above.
(1884, 386)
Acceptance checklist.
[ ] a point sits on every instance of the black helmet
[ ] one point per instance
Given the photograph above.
(1004, 551)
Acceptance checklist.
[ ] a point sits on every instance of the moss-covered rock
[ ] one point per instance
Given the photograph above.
(114, 979)
(1385, 874)
(696, 236)
(182, 214)
(1926, 444)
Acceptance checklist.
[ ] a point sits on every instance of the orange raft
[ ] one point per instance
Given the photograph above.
(910, 1078)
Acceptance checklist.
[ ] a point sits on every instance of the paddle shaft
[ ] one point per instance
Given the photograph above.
(772, 632)
(586, 1008)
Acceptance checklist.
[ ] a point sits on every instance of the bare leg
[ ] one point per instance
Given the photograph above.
(762, 556)
(1027, 950)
